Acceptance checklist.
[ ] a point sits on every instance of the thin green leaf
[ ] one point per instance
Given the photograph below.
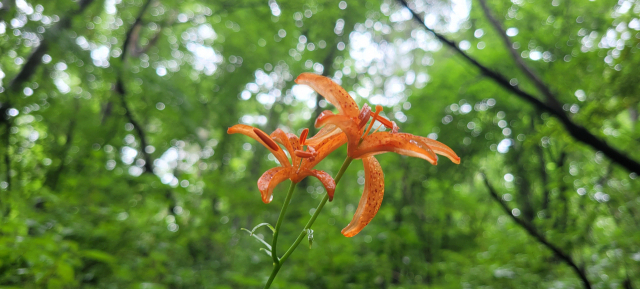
(266, 251)
(258, 238)
(263, 224)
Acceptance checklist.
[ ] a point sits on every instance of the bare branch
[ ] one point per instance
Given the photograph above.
(6, 6)
(139, 50)
(537, 81)
(578, 132)
(35, 59)
(132, 35)
(53, 176)
(533, 232)
(29, 68)
(129, 43)
(148, 165)
(4, 117)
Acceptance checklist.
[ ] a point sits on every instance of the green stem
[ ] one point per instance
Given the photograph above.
(274, 243)
(277, 265)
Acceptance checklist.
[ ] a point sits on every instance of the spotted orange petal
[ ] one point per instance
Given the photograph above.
(371, 197)
(326, 180)
(436, 146)
(249, 131)
(325, 132)
(332, 92)
(270, 179)
(382, 142)
(290, 143)
(348, 125)
(324, 148)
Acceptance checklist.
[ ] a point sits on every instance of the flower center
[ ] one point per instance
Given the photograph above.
(311, 153)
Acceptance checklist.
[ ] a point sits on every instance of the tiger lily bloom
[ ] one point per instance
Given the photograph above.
(350, 122)
(301, 163)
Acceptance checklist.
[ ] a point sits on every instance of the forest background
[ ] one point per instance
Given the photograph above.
(117, 171)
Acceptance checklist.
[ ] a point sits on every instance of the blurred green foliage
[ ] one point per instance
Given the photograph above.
(80, 208)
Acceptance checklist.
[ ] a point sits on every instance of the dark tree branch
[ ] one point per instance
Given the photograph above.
(139, 50)
(550, 99)
(6, 6)
(578, 132)
(35, 59)
(148, 165)
(29, 68)
(545, 178)
(132, 35)
(4, 117)
(53, 176)
(533, 232)
(152, 42)
(627, 284)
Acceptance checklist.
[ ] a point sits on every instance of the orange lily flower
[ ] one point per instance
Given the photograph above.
(350, 122)
(301, 163)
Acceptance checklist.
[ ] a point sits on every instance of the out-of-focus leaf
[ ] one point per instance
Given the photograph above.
(257, 238)
(65, 272)
(266, 251)
(260, 225)
(99, 256)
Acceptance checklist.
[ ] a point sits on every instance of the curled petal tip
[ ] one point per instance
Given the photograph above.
(400, 143)
(331, 91)
(307, 76)
(326, 180)
(270, 179)
(300, 78)
(322, 117)
(438, 148)
(371, 197)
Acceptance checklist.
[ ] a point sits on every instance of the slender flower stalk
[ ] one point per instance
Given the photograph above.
(274, 243)
(278, 264)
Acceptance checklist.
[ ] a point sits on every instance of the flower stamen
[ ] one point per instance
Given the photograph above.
(266, 139)
(374, 116)
(303, 154)
(387, 123)
(310, 154)
(303, 136)
(377, 128)
(364, 116)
